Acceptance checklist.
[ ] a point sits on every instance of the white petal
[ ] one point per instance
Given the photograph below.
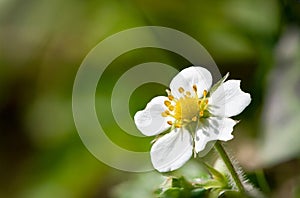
(213, 128)
(150, 121)
(190, 76)
(229, 100)
(172, 150)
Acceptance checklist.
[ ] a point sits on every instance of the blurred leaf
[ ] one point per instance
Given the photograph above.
(41, 117)
(71, 172)
(191, 171)
(297, 188)
(141, 185)
(258, 18)
(281, 129)
(230, 30)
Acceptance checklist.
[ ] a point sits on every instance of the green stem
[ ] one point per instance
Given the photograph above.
(262, 182)
(219, 148)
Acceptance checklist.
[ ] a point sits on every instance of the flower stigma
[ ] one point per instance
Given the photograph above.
(186, 109)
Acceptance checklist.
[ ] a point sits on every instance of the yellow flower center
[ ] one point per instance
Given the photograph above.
(187, 108)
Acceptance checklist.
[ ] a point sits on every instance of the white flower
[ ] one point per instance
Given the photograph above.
(196, 113)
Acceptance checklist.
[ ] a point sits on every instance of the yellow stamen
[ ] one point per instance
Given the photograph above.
(188, 93)
(201, 113)
(171, 107)
(167, 103)
(204, 93)
(170, 122)
(195, 88)
(181, 90)
(171, 97)
(164, 114)
(177, 125)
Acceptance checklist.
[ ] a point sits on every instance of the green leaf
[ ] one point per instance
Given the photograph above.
(198, 192)
(158, 191)
(176, 182)
(181, 182)
(172, 193)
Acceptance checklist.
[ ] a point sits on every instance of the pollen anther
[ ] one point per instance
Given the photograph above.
(204, 93)
(195, 88)
(167, 103)
(181, 90)
(171, 97)
(171, 108)
(164, 114)
(170, 122)
(201, 113)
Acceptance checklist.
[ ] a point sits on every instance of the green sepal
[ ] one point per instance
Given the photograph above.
(231, 194)
(217, 175)
(221, 193)
(215, 193)
(211, 184)
(217, 85)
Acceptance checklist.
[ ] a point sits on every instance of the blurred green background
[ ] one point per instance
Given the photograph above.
(43, 42)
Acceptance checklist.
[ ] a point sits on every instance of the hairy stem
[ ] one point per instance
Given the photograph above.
(219, 148)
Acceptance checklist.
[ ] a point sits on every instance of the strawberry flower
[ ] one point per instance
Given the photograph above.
(196, 114)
